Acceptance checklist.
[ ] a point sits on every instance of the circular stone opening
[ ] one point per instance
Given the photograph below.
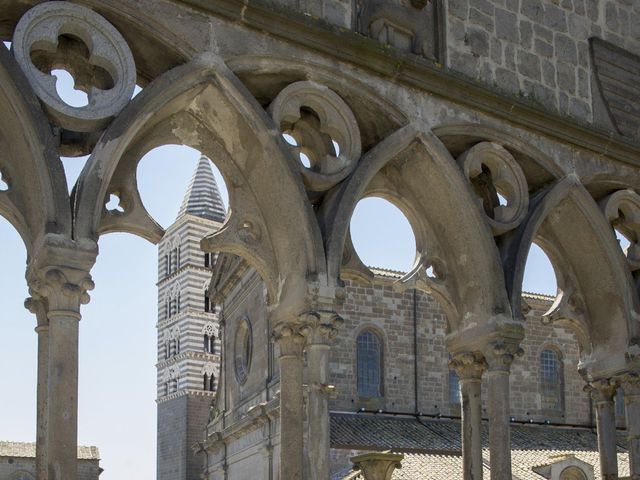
(243, 345)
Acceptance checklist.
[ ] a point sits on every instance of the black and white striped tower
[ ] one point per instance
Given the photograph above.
(188, 341)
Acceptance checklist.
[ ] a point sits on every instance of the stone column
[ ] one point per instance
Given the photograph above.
(470, 367)
(58, 274)
(499, 356)
(603, 392)
(378, 465)
(291, 337)
(324, 328)
(38, 308)
(630, 384)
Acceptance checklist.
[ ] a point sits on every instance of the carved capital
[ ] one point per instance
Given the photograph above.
(324, 325)
(378, 465)
(602, 391)
(291, 337)
(630, 383)
(38, 307)
(65, 289)
(469, 365)
(501, 354)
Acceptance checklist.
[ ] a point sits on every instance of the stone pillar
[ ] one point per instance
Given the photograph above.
(630, 384)
(377, 466)
(603, 392)
(37, 307)
(470, 367)
(324, 329)
(291, 337)
(58, 276)
(499, 356)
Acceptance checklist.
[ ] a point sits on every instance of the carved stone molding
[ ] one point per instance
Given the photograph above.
(494, 173)
(469, 365)
(62, 34)
(324, 129)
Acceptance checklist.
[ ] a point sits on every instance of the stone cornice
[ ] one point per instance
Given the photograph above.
(189, 355)
(411, 70)
(188, 312)
(185, 393)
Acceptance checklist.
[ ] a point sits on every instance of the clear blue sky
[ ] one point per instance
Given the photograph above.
(117, 410)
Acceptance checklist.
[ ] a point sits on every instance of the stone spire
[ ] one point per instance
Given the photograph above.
(202, 198)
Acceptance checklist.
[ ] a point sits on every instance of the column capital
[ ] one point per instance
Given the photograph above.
(378, 465)
(602, 390)
(38, 306)
(324, 325)
(469, 365)
(501, 354)
(291, 337)
(630, 383)
(58, 274)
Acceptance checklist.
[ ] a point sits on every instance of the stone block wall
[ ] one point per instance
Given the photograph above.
(538, 49)
(390, 314)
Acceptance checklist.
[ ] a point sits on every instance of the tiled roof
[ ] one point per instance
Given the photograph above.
(28, 450)
(432, 446)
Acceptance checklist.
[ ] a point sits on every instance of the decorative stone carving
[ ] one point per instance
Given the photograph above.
(468, 365)
(378, 465)
(602, 390)
(291, 337)
(208, 369)
(413, 26)
(500, 355)
(622, 210)
(324, 325)
(61, 34)
(494, 173)
(211, 329)
(324, 129)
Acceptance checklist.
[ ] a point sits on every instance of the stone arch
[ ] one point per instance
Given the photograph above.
(445, 218)
(596, 298)
(36, 202)
(271, 223)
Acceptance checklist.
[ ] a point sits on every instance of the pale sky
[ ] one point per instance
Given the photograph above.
(117, 410)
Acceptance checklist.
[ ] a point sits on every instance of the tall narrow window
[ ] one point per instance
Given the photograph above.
(207, 260)
(207, 302)
(454, 387)
(206, 343)
(551, 381)
(178, 258)
(369, 364)
(167, 268)
(212, 344)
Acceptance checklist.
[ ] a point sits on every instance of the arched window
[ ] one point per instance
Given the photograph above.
(572, 473)
(209, 381)
(551, 381)
(369, 364)
(209, 343)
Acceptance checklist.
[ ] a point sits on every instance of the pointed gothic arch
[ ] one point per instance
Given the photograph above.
(260, 169)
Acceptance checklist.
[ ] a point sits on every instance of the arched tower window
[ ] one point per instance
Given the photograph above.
(369, 364)
(551, 381)
(207, 302)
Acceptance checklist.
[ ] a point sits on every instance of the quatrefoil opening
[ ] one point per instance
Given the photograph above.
(499, 183)
(62, 35)
(321, 130)
(622, 211)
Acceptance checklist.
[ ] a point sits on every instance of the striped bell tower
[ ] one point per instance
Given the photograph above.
(188, 341)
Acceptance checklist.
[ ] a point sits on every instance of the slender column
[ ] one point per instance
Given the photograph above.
(290, 337)
(324, 329)
(37, 307)
(470, 367)
(603, 392)
(630, 383)
(58, 274)
(499, 357)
